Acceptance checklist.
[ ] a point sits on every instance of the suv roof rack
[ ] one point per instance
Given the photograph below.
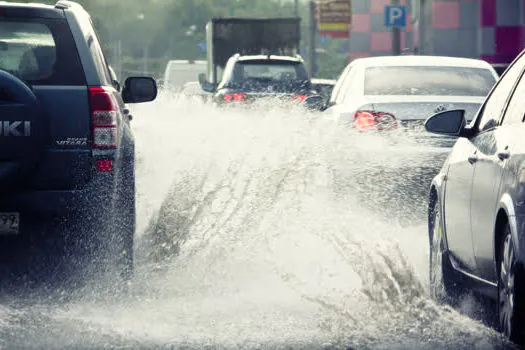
(65, 4)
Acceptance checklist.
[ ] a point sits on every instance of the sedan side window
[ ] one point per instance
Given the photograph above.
(516, 109)
(339, 84)
(495, 104)
(339, 99)
(346, 93)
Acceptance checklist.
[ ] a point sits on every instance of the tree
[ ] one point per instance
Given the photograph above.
(173, 29)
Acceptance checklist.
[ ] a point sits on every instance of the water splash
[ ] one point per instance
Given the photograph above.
(249, 236)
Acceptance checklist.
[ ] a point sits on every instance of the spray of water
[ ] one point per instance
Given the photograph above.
(266, 227)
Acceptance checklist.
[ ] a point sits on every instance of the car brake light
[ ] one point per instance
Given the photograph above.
(234, 97)
(300, 97)
(366, 120)
(104, 165)
(103, 117)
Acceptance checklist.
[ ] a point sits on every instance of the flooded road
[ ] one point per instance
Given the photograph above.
(249, 238)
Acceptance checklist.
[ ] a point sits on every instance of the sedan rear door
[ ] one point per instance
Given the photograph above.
(474, 177)
(498, 147)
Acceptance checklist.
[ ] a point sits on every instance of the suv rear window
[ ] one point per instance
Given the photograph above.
(40, 52)
(269, 70)
(423, 80)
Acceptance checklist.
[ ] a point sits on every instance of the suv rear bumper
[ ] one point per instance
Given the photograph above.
(61, 202)
(59, 213)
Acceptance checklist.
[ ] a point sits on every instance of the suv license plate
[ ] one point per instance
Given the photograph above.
(9, 223)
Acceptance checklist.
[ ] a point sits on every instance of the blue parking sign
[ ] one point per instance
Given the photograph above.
(395, 16)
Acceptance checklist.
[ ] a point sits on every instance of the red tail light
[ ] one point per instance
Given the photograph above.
(104, 165)
(366, 120)
(103, 117)
(234, 97)
(300, 97)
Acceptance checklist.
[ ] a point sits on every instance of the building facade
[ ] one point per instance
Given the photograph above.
(493, 30)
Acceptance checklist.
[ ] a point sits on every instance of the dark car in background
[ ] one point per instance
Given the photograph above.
(67, 152)
(476, 208)
(323, 87)
(258, 77)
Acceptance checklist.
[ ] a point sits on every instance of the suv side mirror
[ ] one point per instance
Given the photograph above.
(117, 86)
(451, 123)
(205, 85)
(139, 89)
(315, 102)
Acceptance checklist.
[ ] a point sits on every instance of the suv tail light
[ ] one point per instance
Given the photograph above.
(300, 97)
(367, 120)
(103, 117)
(235, 97)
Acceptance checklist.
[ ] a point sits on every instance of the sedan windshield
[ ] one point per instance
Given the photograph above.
(428, 80)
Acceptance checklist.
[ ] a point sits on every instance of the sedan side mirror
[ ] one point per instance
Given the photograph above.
(315, 102)
(139, 89)
(205, 85)
(451, 123)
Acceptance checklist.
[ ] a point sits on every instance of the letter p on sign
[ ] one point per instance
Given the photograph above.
(395, 16)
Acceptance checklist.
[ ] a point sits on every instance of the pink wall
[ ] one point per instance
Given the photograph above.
(509, 36)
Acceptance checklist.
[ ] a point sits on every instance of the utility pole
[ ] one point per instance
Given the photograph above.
(396, 35)
(313, 38)
(296, 8)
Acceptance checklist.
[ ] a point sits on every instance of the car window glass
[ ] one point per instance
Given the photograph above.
(428, 80)
(275, 75)
(341, 92)
(346, 89)
(98, 54)
(516, 109)
(339, 83)
(493, 108)
(95, 49)
(35, 52)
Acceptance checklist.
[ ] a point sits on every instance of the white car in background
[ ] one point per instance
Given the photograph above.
(391, 92)
(180, 72)
(391, 97)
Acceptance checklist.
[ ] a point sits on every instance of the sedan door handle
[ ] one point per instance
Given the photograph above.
(473, 158)
(504, 155)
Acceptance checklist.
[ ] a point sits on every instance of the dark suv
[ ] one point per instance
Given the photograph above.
(254, 77)
(67, 177)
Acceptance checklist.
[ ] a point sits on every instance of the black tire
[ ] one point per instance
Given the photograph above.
(112, 254)
(511, 305)
(445, 287)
